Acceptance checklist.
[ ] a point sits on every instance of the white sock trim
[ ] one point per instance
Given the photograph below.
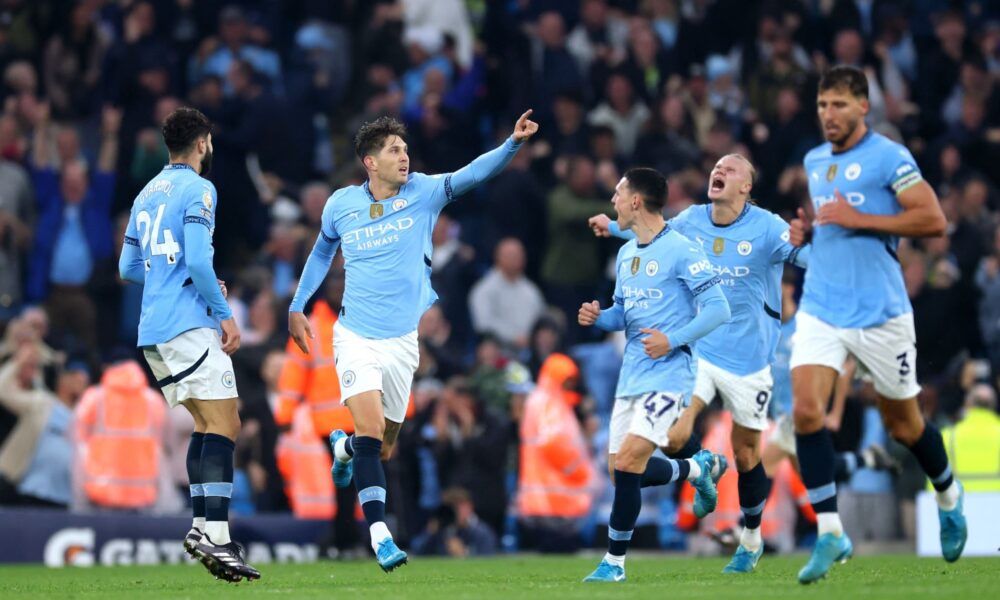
(379, 532)
(750, 539)
(199, 524)
(829, 522)
(695, 469)
(618, 561)
(218, 532)
(948, 498)
(340, 451)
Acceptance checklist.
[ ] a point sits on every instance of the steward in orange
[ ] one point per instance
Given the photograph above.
(556, 470)
(119, 439)
(310, 380)
(304, 464)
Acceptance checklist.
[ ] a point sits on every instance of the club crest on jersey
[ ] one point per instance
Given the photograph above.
(635, 265)
(399, 204)
(718, 246)
(376, 210)
(853, 171)
(206, 199)
(744, 248)
(652, 267)
(831, 172)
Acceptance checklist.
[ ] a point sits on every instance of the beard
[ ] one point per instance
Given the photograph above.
(206, 164)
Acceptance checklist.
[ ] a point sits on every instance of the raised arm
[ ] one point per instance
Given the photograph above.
(493, 162)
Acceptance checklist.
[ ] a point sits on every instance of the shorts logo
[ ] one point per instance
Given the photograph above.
(635, 265)
(228, 380)
(744, 248)
(349, 378)
(399, 204)
(831, 172)
(652, 267)
(853, 171)
(376, 210)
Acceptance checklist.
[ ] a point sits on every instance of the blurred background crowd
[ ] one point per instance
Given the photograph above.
(672, 84)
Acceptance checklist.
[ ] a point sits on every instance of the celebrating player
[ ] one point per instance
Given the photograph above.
(867, 192)
(661, 276)
(749, 247)
(384, 230)
(168, 248)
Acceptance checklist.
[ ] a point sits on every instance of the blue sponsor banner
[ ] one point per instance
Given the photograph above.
(58, 538)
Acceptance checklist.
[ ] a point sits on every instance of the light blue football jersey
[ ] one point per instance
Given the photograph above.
(387, 253)
(656, 286)
(748, 255)
(171, 304)
(781, 372)
(854, 278)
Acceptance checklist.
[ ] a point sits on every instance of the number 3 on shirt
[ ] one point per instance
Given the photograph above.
(168, 246)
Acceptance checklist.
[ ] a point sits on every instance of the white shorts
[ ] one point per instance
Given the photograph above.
(647, 415)
(745, 397)
(386, 365)
(783, 434)
(888, 352)
(192, 365)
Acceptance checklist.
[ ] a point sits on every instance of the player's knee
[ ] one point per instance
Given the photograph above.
(902, 430)
(746, 458)
(808, 415)
(373, 430)
(629, 462)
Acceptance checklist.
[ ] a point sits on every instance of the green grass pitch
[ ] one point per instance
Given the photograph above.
(544, 578)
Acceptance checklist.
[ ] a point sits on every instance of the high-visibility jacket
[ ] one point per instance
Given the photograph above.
(305, 467)
(119, 432)
(973, 446)
(312, 378)
(556, 470)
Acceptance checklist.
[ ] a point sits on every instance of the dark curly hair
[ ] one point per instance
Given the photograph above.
(843, 77)
(183, 127)
(372, 135)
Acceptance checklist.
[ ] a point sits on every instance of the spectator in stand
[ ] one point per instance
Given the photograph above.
(73, 241)
(622, 112)
(73, 64)
(455, 530)
(505, 302)
(216, 54)
(36, 458)
(988, 282)
(17, 214)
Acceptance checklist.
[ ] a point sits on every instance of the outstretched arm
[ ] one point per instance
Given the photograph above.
(313, 274)
(493, 162)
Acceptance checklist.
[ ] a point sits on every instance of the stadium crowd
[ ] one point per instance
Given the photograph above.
(671, 84)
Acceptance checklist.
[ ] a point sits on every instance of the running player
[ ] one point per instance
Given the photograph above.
(749, 246)
(666, 297)
(867, 192)
(168, 249)
(384, 229)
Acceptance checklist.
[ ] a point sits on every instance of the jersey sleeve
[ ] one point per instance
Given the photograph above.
(320, 258)
(901, 170)
(613, 317)
(130, 264)
(201, 204)
(782, 250)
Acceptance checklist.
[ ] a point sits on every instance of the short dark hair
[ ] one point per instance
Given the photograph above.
(844, 77)
(183, 127)
(372, 135)
(649, 184)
